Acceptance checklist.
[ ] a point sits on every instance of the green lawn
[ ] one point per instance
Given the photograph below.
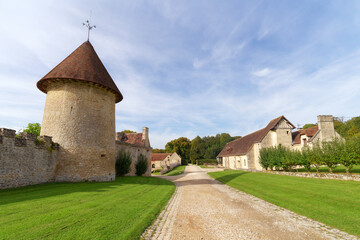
(338, 169)
(202, 166)
(333, 202)
(113, 210)
(176, 171)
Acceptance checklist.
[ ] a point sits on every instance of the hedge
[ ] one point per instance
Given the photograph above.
(330, 154)
(202, 161)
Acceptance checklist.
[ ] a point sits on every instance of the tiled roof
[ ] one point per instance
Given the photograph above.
(309, 132)
(133, 138)
(159, 156)
(242, 145)
(82, 65)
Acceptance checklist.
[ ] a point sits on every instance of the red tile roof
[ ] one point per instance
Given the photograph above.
(133, 138)
(243, 145)
(159, 156)
(309, 132)
(82, 65)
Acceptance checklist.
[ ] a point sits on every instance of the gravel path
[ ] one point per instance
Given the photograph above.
(203, 208)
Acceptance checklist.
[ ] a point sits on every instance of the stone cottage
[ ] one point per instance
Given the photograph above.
(166, 161)
(244, 153)
(135, 144)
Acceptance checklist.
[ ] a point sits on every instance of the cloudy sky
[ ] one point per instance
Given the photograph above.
(190, 68)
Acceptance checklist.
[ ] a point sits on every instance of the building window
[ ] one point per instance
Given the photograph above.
(153, 166)
(305, 142)
(244, 162)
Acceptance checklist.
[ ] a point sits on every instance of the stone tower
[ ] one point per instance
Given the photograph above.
(80, 115)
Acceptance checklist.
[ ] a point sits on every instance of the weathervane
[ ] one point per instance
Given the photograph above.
(89, 27)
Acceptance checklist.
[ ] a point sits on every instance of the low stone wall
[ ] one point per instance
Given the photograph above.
(338, 176)
(135, 151)
(26, 160)
(335, 176)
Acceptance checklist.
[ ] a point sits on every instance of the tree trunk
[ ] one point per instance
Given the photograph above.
(347, 170)
(330, 169)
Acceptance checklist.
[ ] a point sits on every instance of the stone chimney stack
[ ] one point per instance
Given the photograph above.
(145, 136)
(326, 127)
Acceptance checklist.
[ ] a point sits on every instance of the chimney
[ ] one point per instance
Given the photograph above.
(326, 127)
(145, 136)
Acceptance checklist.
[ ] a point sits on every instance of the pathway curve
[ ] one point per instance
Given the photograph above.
(203, 208)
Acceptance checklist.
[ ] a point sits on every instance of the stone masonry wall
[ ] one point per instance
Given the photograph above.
(135, 151)
(26, 160)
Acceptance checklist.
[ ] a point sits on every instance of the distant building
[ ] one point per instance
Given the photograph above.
(165, 161)
(135, 144)
(244, 153)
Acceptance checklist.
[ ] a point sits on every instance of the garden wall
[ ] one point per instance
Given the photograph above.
(338, 176)
(26, 160)
(135, 151)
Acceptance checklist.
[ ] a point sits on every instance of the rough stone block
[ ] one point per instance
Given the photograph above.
(20, 142)
(7, 132)
(46, 139)
(28, 136)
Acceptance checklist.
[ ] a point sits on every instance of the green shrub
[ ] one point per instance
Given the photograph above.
(141, 165)
(202, 161)
(33, 128)
(123, 163)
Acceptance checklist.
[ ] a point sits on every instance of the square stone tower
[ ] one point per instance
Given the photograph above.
(80, 115)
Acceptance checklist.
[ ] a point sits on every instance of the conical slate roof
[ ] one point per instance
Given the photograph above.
(82, 65)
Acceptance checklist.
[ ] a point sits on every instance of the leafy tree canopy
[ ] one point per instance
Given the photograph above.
(33, 128)
(181, 146)
(348, 129)
(157, 150)
(128, 131)
(309, 125)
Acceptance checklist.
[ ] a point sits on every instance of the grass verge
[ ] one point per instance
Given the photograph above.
(122, 209)
(333, 202)
(176, 171)
(202, 166)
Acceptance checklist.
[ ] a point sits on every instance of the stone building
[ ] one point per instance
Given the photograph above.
(244, 153)
(165, 161)
(80, 115)
(135, 144)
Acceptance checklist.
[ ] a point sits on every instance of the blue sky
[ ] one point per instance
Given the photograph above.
(189, 68)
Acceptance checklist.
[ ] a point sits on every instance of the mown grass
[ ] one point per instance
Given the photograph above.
(333, 202)
(338, 169)
(113, 210)
(176, 171)
(202, 166)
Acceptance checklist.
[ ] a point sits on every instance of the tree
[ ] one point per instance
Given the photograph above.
(33, 128)
(181, 146)
(314, 156)
(309, 125)
(331, 153)
(197, 149)
(157, 150)
(141, 165)
(350, 153)
(128, 131)
(123, 162)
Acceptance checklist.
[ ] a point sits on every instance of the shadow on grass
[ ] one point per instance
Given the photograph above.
(46, 190)
(227, 178)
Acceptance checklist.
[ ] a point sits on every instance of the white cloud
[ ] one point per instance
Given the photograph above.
(262, 73)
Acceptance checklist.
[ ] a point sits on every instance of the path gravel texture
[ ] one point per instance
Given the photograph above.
(203, 208)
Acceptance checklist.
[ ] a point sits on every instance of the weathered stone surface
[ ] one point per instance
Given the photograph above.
(22, 162)
(135, 151)
(81, 118)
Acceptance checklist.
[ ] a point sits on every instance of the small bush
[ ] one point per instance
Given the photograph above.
(202, 161)
(141, 165)
(123, 163)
